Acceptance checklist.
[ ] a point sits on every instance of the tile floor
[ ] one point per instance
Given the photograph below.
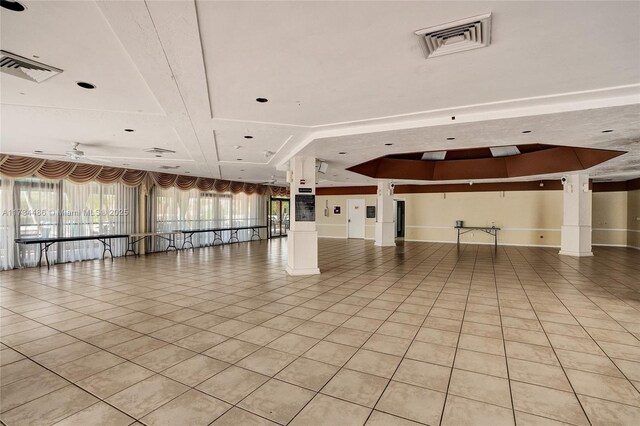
(417, 334)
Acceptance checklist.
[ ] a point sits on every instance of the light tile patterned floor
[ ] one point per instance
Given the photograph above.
(417, 334)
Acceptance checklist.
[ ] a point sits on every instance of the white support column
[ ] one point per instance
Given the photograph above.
(576, 225)
(385, 226)
(302, 237)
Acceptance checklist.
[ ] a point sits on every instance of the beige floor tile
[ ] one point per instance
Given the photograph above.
(533, 353)
(494, 365)
(19, 370)
(201, 341)
(191, 408)
(463, 411)
(387, 344)
(294, 344)
(375, 363)
(50, 408)
(237, 416)
(526, 336)
(231, 350)
(45, 344)
(163, 358)
(330, 353)
(348, 336)
(87, 366)
(114, 379)
(147, 395)
(363, 324)
(480, 387)
(266, 361)
(277, 401)
(260, 335)
(28, 389)
(588, 362)
(195, 370)
(604, 413)
(412, 402)
(378, 418)
(65, 354)
(438, 337)
(317, 330)
(394, 329)
(327, 411)
(481, 344)
(136, 347)
(113, 338)
(603, 387)
(546, 402)
(434, 354)
(538, 374)
(99, 414)
(307, 373)
(526, 419)
(175, 332)
(357, 387)
(233, 384)
(629, 368)
(423, 374)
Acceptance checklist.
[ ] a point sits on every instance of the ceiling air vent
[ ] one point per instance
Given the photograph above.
(169, 167)
(159, 151)
(458, 36)
(21, 67)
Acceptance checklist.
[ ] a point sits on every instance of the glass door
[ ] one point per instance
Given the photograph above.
(279, 217)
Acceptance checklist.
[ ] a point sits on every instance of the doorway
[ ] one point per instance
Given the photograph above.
(279, 219)
(355, 218)
(399, 216)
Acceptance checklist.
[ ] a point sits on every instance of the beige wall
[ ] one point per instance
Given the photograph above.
(609, 218)
(336, 225)
(526, 217)
(633, 218)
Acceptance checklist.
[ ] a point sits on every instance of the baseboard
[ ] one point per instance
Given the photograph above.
(485, 244)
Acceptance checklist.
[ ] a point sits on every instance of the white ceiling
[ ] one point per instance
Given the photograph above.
(339, 76)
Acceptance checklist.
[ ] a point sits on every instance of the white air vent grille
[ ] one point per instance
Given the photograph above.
(21, 67)
(466, 34)
(159, 151)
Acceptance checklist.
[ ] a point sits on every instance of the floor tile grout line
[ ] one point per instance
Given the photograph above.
(547, 337)
(592, 339)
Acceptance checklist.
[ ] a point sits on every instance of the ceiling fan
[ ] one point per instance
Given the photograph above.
(272, 181)
(76, 154)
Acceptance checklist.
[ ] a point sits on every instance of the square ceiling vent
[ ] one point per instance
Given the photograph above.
(454, 37)
(28, 69)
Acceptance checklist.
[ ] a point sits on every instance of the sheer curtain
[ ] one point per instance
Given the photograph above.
(62, 208)
(94, 208)
(7, 225)
(38, 204)
(175, 209)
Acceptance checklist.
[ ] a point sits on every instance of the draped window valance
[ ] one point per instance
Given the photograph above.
(16, 166)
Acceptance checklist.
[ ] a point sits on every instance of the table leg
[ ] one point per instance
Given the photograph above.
(131, 247)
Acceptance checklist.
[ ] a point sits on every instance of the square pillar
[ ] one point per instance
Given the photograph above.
(576, 225)
(302, 237)
(385, 226)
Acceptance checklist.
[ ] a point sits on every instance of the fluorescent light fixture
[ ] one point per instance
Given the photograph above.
(322, 166)
(504, 151)
(434, 155)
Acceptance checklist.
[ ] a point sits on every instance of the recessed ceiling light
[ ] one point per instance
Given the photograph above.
(12, 5)
(526, 131)
(125, 164)
(37, 152)
(86, 85)
(262, 100)
(248, 137)
(158, 155)
(342, 153)
(187, 172)
(129, 130)
(238, 159)
(242, 170)
(388, 144)
(607, 131)
(450, 139)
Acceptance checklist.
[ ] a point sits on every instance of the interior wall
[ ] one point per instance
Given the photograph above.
(526, 217)
(335, 226)
(609, 218)
(633, 219)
